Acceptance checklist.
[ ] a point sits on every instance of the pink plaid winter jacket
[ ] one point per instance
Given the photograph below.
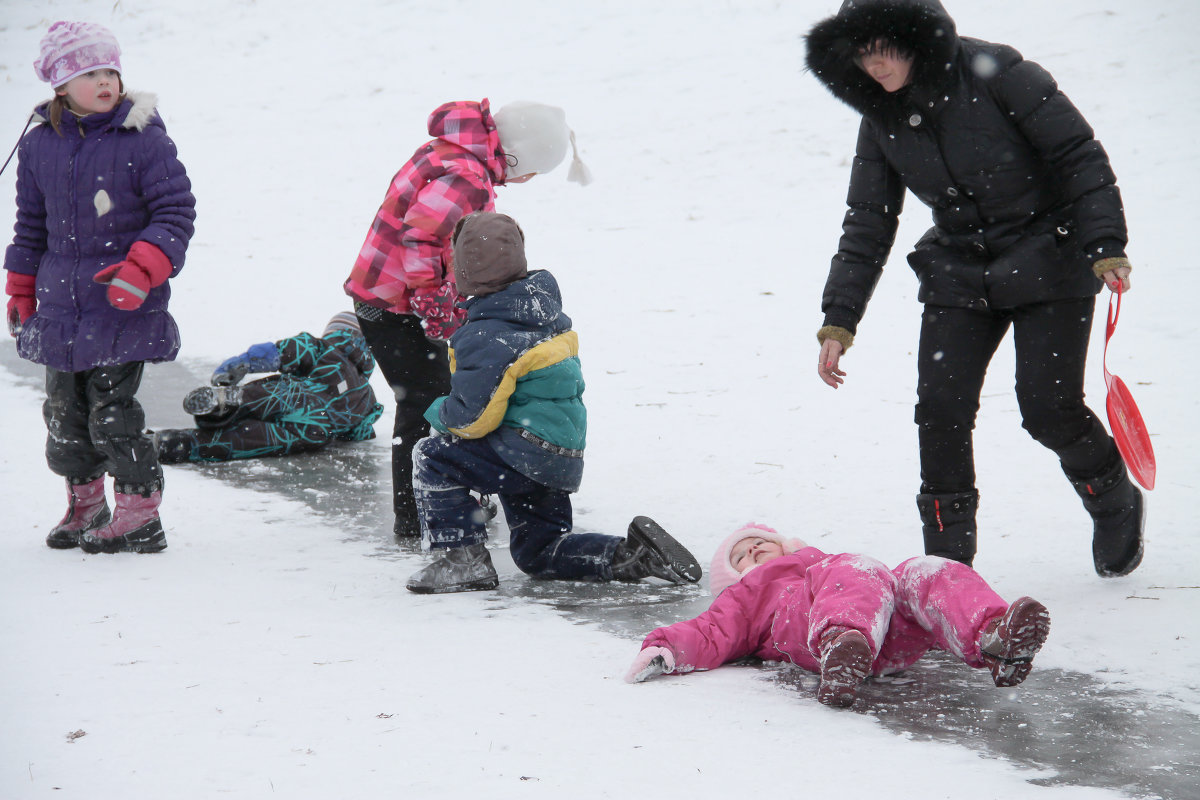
(455, 174)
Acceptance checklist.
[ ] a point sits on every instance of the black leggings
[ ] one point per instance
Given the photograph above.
(95, 425)
(1051, 341)
(418, 370)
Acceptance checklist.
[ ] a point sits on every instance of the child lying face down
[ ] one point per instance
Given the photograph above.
(844, 616)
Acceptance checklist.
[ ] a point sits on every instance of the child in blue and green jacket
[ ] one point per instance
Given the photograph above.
(514, 426)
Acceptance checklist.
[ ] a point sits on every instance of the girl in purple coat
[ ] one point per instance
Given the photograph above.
(844, 616)
(104, 215)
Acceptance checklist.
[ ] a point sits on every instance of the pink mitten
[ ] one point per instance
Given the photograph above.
(649, 663)
(129, 281)
(22, 301)
(438, 309)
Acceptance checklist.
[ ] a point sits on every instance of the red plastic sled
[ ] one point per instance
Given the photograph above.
(1124, 419)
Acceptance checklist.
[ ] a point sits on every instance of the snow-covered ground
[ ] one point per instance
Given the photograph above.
(266, 652)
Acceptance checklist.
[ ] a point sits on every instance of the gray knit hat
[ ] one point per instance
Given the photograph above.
(489, 253)
(343, 320)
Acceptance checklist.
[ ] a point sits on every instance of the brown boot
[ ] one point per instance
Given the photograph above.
(845, 663)
(1009, 642)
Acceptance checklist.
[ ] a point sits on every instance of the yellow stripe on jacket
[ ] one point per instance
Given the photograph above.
(541, 356)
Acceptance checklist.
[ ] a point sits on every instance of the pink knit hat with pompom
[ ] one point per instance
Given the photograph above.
(69, 49)
(722, 575)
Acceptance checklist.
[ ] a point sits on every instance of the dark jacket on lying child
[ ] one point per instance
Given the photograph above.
(320, 392)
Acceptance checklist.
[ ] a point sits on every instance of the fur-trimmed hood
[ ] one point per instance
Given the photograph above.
(923, 26)
(136, 110)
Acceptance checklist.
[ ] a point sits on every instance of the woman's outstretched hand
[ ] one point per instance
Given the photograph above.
(827, 363)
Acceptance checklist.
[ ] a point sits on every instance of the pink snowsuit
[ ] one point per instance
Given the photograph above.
(780, 609)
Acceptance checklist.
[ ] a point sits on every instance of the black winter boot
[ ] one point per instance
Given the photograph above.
(175, 445)
(407, 523)
(1118, 519)
(948, 524)
(649, 551)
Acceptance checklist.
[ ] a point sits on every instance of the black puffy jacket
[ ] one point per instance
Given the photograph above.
(1022, 194)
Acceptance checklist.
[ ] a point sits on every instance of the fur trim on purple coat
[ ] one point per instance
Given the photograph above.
(83, 198)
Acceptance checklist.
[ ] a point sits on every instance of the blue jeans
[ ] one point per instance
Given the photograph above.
(446, 469)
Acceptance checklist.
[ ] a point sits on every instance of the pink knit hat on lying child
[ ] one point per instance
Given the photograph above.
(722, 575)
(69, 49)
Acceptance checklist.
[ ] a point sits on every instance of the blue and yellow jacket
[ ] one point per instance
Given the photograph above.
(516, 380)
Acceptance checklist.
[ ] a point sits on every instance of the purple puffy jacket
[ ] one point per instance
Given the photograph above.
(83, 198)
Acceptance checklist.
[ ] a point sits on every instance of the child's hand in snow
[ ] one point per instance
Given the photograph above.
(649, 663)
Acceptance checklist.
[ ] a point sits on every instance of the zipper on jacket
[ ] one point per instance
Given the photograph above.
(74, 233)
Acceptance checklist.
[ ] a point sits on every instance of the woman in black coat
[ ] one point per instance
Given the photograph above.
(1028, 226)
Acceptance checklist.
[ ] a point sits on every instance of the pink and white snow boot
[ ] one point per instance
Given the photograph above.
(135, 527)
(86, 510)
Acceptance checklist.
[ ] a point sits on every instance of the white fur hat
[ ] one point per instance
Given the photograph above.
(534, 137)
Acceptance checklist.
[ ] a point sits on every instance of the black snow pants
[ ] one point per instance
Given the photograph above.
(95, 424)
(418, 370)
(1051, 341)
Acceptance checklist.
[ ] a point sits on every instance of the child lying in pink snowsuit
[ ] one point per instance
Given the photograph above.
(844, 616)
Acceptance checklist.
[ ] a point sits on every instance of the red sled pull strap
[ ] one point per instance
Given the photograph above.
(1124, 418)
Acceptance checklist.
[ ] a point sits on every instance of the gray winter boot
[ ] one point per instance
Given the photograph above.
(1118, 518)
(461, 569)
(649, 551)
(948, 524)
(213, 401)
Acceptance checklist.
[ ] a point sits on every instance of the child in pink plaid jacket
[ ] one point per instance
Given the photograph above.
(402, 282)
